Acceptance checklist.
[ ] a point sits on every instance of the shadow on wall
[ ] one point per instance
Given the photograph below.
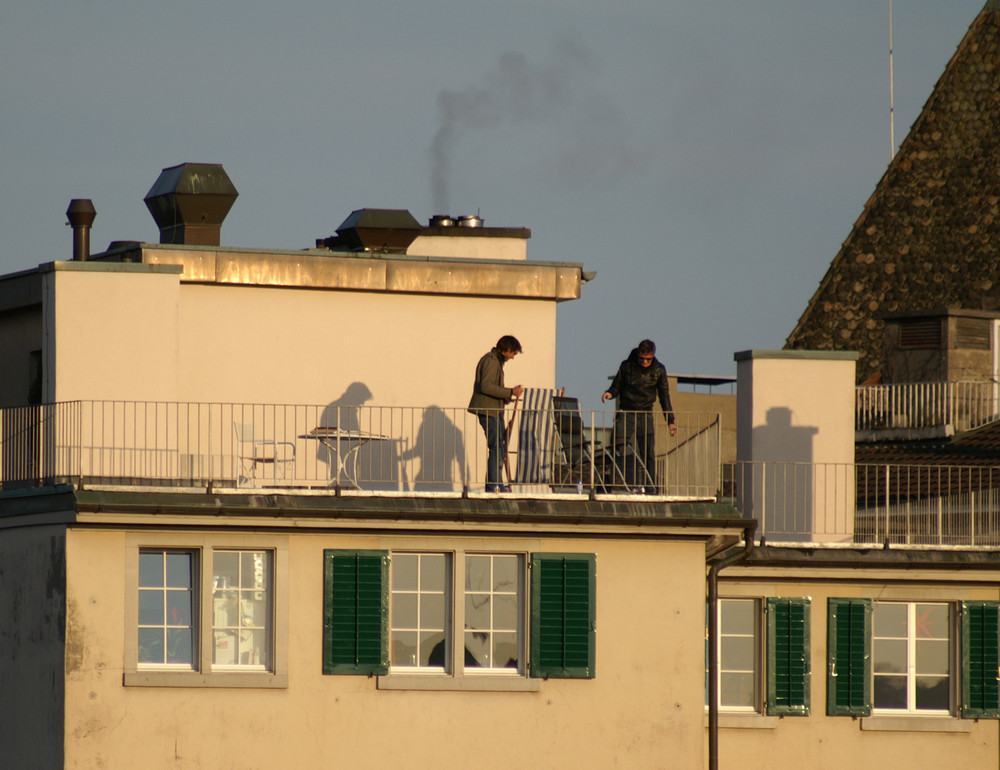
(439, 449)
(426, 456)
(782, 479)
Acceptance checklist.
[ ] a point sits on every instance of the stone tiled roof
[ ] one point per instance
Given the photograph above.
(979, 447)
(929, 236)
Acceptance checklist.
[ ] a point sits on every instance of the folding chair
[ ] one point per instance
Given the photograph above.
(581, 451)
(253, 451)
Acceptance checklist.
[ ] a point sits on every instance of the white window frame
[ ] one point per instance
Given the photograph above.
(911, 672)
(202, 672)
(455, 675)
(757, 672)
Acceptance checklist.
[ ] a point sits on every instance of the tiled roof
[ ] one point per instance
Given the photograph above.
(929, 236)
(979, 447)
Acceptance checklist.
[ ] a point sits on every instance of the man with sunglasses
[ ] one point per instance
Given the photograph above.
(641, 381)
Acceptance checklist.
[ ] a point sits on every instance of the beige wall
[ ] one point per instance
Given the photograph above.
(469, 248)
(644, 709)
(795, 442)
(764, 743)
(273, 345)
(113, 331)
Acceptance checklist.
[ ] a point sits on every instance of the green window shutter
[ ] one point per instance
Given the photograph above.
(980, 660)
(563, 615)
(788, 656)
(848, 676)
(355, 612)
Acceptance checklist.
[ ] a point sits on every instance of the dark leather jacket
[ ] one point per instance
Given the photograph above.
(638, 387)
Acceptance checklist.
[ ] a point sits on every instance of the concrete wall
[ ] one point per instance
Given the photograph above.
(763, 743)
(644, 709)
(32, 606)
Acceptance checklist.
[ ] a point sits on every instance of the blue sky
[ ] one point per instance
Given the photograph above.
(706, 159)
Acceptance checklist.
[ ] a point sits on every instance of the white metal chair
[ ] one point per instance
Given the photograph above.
(255, 451)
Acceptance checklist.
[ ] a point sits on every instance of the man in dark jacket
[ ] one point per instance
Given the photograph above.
(641, 381)
(488, 398)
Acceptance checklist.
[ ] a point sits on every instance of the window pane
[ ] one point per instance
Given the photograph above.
(178, 646)
(932, 656)
(889, 692)
(889, 656)
(178, 608)
(404, 648)
(505, 650)
(150, 608)
(931, 621)
(404, 572)
(151, 568)
(477, 612)
(889, 620)
(404, 611)
(432, 572)
(932, 692)
(178, 570)
(432, 649)
(737, 690)
(738, 653)
(151, 645)
(477, 573)
(432, 611)
(506, 573)
(226, 569)
(738, 616)
(505, 613)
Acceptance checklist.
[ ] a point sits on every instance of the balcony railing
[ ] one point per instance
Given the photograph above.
(365, 449)
(870, 504)
(913, 405)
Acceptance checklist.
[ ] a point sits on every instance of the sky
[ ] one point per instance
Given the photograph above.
(706, 159)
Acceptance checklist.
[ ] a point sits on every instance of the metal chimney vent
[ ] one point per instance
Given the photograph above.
(81, 214)
(189, 203)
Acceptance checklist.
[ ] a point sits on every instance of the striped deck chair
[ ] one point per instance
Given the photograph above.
(536, 437)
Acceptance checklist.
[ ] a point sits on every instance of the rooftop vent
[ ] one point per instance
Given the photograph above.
(81, 214)
(389, 231)
(189, 203)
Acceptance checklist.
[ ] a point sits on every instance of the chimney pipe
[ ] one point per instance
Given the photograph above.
(81, 214)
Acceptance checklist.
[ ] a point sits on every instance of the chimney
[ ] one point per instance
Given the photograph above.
(189, 203)
(81, 214)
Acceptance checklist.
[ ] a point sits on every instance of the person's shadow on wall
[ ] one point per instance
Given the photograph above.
(376, 460)
(440, 451)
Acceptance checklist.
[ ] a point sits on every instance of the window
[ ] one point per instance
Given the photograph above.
(458, 619)
(739, 654)
(742, 660)
(898, 658)
(205, 613)
(419, 602)
(166, 600)
(911, 657)
(241, 608)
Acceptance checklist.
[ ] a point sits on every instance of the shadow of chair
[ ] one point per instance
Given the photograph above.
(582, 456)
(254, 451)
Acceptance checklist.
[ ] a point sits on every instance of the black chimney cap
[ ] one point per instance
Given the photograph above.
(189, 203)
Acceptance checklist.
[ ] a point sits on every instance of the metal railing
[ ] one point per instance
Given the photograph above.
(869, 504)
(963, 405)
(369, 448)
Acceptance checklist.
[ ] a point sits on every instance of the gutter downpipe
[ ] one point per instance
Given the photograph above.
(713, 638)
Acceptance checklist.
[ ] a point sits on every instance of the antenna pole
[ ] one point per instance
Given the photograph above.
(892, 117)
